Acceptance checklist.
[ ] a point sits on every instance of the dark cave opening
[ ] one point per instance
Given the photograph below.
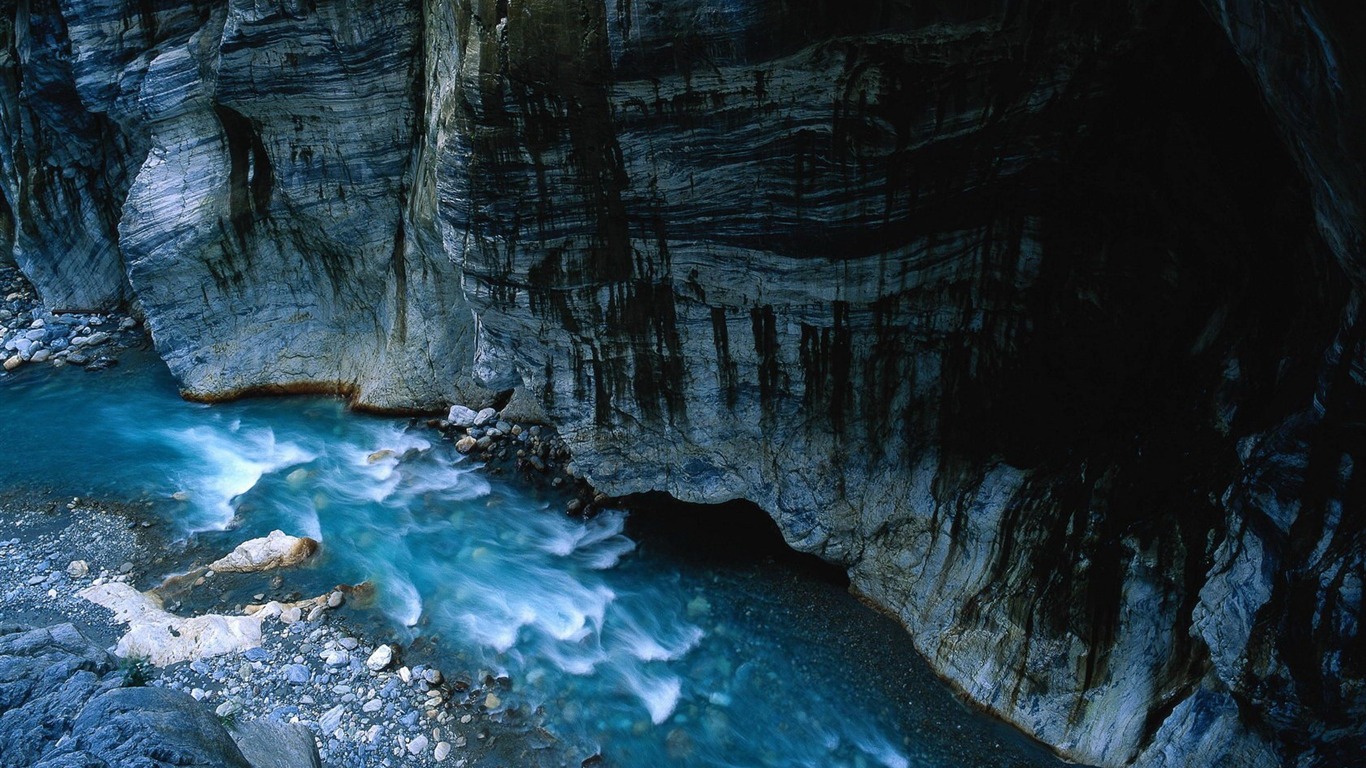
(730, 534)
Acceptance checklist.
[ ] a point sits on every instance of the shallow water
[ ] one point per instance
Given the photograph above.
(629, 646)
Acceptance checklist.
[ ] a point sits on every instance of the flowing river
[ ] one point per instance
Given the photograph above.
(626, 630)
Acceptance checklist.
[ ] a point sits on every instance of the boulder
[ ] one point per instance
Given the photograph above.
(277, 550)
(461, 416)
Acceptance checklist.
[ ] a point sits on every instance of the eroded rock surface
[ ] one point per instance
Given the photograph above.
(247, 173)
(1041, 320)
(64, 703)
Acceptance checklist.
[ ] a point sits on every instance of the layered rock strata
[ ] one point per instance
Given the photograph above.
(246, 172)
(1020, 316)
(1041, 319)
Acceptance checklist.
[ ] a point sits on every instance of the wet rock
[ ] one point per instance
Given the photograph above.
(466, 444)
(484, 417)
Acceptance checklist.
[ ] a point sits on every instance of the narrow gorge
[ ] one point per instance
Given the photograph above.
(1041, 321)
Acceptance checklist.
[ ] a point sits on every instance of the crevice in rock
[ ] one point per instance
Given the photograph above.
(250, 175)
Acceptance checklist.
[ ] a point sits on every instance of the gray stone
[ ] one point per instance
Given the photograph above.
(298, 674)
(382, 657)
(271, 744)
(461, 416)
(484, 417)
(55, 675)
(331, 719)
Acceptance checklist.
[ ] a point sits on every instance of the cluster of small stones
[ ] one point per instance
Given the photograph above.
(363, 705)
(534, 451)
(31, 333)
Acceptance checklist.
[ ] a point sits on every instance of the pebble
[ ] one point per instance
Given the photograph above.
(336, 657)
(291, 614)
(442, 751)
(484, 417)
(417, 746)
(78, 569)
(331, 719)
(335, 599)
(373, 705)
(432, 676)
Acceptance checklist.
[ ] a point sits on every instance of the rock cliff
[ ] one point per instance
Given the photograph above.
(1041, 318)
(65, 702)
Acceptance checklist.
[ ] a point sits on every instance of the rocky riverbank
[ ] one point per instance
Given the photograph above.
(362, 699)
(32, 333)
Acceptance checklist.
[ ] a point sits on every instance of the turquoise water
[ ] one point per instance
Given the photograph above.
(627, 643)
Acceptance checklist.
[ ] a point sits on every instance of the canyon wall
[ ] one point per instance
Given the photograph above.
(245, 172)
(1039, 318)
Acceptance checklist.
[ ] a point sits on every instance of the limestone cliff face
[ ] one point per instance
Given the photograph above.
(1040, 318)
(1019, 314)
(246, 172)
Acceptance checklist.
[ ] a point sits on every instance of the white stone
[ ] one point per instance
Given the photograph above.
(77, 569)
(164, 638)
(484, 417)
(461, 416)
(277, 550)
(417, 746)
(381, 658)
(442, 751)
